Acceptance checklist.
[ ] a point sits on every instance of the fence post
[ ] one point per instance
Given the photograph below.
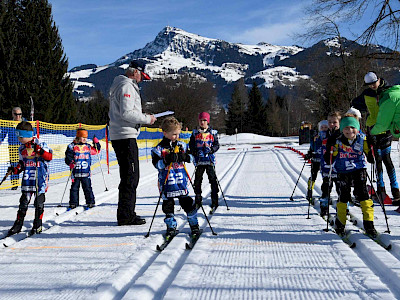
(108, 158)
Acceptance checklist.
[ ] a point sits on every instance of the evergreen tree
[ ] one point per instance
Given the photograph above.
(237, 108)
(36, 65)
(256, 120)
(8, 49)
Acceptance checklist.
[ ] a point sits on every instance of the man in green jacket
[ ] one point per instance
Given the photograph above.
(378, 126)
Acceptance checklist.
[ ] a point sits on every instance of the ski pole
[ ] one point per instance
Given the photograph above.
(291, 197)
(329, 187)
(159, 199)
(208, 221)
(104, 179)
(222, 192)
(5, 177)
(62, 198)
(380, 200)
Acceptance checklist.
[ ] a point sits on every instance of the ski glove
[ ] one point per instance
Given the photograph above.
(15, 170)
(39, 150)
(309, 155)
(371, 140)
(171, 158)
(183, 157)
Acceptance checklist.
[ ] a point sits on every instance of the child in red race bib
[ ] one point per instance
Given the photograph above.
(34, 157)
(78, 157)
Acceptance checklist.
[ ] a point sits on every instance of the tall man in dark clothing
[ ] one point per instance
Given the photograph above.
(125, 119)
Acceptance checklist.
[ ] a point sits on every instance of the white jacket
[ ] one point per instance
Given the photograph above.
(125, 109)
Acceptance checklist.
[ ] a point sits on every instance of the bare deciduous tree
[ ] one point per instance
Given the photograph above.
(384, 21)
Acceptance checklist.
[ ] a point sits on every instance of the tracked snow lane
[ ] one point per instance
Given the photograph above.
(267, 249)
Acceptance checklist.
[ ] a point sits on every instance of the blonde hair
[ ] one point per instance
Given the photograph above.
(170, 124)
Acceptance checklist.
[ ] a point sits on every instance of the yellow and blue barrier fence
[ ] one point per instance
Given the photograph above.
(59, 136)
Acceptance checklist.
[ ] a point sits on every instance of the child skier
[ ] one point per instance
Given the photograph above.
(78, 158)
(169, 157)
(314, 153)
(34, 156)
(203, 144)
(348, 149)
(333, 124)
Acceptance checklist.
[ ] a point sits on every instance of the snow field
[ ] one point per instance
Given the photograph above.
(266, 248)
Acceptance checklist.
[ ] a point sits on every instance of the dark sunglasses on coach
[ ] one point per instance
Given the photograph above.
(17, 114)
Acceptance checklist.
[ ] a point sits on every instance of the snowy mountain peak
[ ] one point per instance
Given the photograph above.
(175, 51)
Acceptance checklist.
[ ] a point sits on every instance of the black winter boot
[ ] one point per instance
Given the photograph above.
(396, 197)
(370, 229)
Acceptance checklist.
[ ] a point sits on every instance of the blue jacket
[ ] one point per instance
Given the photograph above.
(203, 145)
(178, 181)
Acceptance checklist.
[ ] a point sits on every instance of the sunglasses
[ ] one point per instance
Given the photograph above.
(17, 114)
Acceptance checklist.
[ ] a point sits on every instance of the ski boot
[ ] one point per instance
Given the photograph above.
(71, 206)
(323, 204)
(16, 227)
(214, 203)
(339, 227)
(396, 197)
(195, 230)
(370, 229)
(37, 227)
(90, 205)
(171, 226)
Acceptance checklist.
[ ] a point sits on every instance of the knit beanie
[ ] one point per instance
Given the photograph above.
(204, 116)
(349, 121)
(322, 123)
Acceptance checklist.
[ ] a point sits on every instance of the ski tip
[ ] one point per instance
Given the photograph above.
(187, 246)
(158, 248)
(353, 245)
(388, 247)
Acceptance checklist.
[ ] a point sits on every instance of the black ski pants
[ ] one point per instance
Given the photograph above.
(212, 178)
(186, 203)
(24, 202)
(127, 153)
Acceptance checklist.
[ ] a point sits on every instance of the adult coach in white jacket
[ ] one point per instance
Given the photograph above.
(125, 119)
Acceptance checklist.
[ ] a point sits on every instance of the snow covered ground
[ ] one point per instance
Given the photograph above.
(266, 248)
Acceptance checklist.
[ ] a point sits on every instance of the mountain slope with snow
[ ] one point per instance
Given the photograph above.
(175, 51)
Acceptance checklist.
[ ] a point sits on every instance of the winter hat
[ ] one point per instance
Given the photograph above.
(354, 111)
(139, 65)
(349, 121)
(322, 123)
(81, 133)
(204, 116)
(370, 78)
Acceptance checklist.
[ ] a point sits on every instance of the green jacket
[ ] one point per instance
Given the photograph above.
(389, 112)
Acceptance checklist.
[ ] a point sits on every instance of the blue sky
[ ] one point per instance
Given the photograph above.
(101, 31)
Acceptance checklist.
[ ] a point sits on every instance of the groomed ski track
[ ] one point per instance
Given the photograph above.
(265, 247)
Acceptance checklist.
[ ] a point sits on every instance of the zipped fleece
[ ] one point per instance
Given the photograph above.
(389, 112)
(125, 109)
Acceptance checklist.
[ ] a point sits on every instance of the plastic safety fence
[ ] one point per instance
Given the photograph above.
(59, 136)
(150, 137)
